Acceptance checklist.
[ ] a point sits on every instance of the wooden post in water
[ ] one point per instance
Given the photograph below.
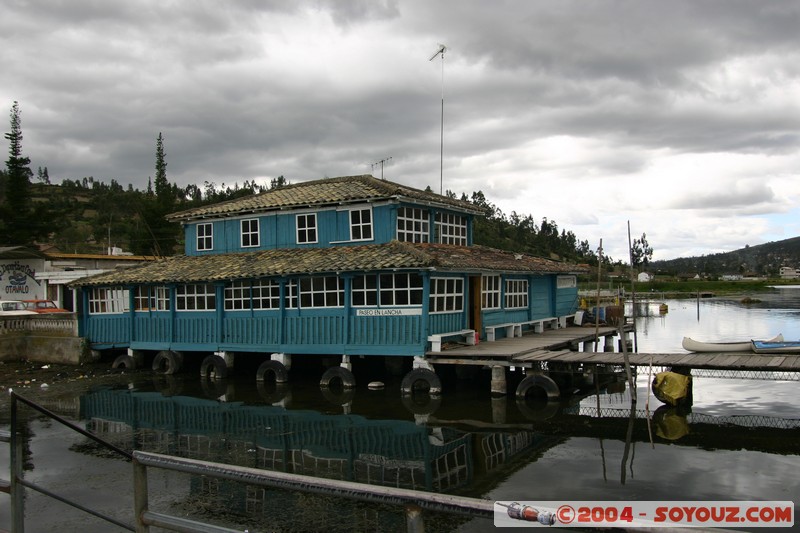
(625, 356)
(597, 301)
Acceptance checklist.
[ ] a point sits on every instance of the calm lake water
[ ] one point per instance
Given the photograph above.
(741, 440)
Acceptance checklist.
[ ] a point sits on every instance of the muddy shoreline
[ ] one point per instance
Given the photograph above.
(38, 381)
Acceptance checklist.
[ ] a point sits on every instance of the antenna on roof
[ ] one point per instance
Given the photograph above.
(442, 49)
(381, 163)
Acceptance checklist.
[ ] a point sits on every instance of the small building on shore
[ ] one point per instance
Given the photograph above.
(787, 272)
(27, 273)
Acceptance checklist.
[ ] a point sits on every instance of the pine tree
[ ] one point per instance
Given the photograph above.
(16, 210)
(162, 236)
(162, 186)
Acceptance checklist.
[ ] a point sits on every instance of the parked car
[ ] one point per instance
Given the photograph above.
(14, 308)
(43, 306)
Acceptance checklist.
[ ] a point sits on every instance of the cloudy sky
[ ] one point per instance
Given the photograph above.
(680, 117)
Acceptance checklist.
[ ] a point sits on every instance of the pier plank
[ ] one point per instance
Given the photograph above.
(554, 346)
(776, 361)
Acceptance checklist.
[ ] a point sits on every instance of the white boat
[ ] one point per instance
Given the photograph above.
(741, 346)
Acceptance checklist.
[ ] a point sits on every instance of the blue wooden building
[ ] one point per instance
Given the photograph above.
(349, 266)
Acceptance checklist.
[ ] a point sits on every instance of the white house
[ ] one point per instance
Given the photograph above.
(645, 276)
(789, 273)
(29, 274)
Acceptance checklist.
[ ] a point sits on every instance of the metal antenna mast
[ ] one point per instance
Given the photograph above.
(381, 163)
(442, 49)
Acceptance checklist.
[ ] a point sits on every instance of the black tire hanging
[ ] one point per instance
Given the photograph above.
(213, 367)
(167, 362)
(421, 379)
(275, 369)
(540, 408)
(537, 410)
(538, 381)
(216, 388)
(336, 373)
(167, 385)
(339, 397)
(422, 403)
(124, 362)
(272, 392)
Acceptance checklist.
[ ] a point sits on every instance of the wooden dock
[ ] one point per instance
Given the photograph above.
(561, 345)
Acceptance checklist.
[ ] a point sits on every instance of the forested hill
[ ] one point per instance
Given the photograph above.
(88, 216)
(763, 259)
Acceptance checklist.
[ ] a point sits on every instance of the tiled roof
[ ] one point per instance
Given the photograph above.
(297, 261)
(100, 257)
(19, 252)
(330, 191)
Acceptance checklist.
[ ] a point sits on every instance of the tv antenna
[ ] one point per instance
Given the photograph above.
(381, 163)
(442, 49)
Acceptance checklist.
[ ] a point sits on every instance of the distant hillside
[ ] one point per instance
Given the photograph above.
(763, 259)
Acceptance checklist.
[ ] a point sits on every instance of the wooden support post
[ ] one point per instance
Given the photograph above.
(624, 342)
(498, 386)
(137, 356)
(609, 343)
(499, 404)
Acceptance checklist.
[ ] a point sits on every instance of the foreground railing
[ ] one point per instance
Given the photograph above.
(16, 485)
(413, 502)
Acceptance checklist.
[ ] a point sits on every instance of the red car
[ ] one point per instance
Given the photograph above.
(43, 306)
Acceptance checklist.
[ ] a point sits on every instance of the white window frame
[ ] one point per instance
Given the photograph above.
(109, 301)
(359, 229)
(321, 292)
(451, 229)
(566, 282)
(516, 294)
(147, 298)
(250, 237)
(413, 224)
(447, 295)
(162, 298)
(306, 229)
(195, 297)
(364, 291)
(266, 294)
(401, 289)
(205, 238)
(237, 296)
(490, 292)
(292, 300)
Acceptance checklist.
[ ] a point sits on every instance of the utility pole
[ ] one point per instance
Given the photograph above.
(442, 49)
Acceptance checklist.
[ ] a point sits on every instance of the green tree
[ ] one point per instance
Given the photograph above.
(18, 226)
(641, 252)
(277, 183)
(43, 176)
(164, 234)
(163, 188)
